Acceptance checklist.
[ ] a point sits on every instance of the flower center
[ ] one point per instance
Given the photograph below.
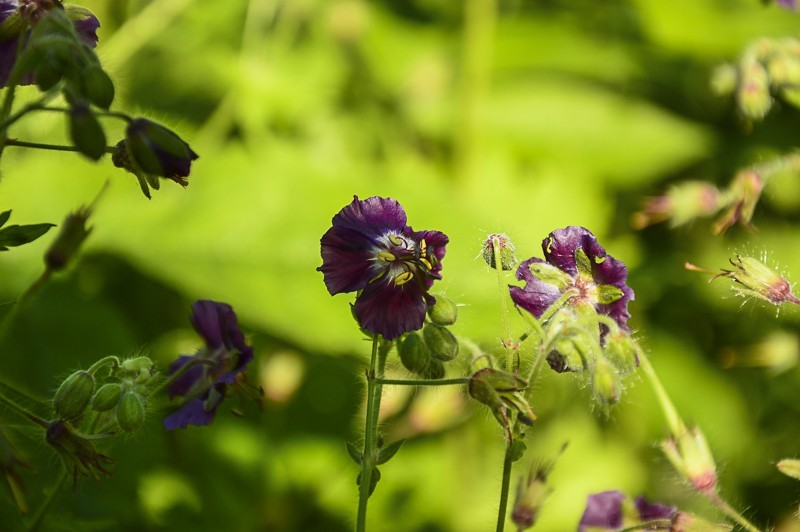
(401, 258)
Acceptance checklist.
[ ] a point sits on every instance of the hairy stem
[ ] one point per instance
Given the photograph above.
(504, 487)
(423, 382)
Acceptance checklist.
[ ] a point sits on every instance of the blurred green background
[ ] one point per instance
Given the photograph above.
(482, 116)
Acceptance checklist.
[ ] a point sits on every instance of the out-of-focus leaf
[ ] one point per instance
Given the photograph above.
(17, 235)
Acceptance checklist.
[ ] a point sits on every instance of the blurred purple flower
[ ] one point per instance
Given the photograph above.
(574, 261)
(605, 511)
(370, 250)
(85, 22)
(788, 4)
(219, 364)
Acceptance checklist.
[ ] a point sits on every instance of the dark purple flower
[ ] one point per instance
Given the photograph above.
(370, 250)
(29, 12)
(220, 364)
(603, 510)
(574, 261)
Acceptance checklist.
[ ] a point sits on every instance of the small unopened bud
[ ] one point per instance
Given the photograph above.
(724, 79)
(86, 132)
(606, 385)
(73, 396)
(414, 353)
(758, 280)
(622, 351)
(753, 94)
(440, 341)
(135, 367)
(157, 150)
(498, 249)
(789, 467)
(68, 242)
(107, 397)
(570, 353)
(97, 86)
(681, 204)
(130, 411)
(691, 457)
(434, 370)
(444, 311)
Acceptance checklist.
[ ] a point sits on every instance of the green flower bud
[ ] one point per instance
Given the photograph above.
(73, 396)
(606, 385)
(501, 391)
(69, 240)
(566, 355)
(106, 397)
(753, 94)
(507, 256)
(413, 353)
(622, 351)
(691, 457)
(434, 370)
(789, 467)
(758, 280)
(97, 86)
(130, 411)
(133, 367)
(440, 341)
(444, 312)
(86, 132)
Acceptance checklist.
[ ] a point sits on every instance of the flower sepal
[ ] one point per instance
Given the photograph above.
(502, 392)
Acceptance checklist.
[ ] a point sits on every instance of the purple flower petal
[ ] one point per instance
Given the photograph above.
(603, 510)
(191, 413)
(537, 296)
(389, 310)
(651, 511)
(184, 383)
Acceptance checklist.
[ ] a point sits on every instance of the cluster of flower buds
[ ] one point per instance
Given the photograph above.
(425, 353)
(613, 511)
(768, 66)
(115, 398)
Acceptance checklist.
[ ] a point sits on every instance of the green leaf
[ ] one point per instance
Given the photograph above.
(4, 216)
(17, 235)
(388, 452)
(354, 453)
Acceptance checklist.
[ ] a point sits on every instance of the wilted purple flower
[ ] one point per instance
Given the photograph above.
(574, 261)
(27, 12)
(370, 250)
(605, 511)
(219, 364)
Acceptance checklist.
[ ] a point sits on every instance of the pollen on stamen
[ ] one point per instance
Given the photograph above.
(396, 240)
(403, 278)
(385, 256)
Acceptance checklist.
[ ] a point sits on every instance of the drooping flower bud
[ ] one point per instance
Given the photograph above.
(414, 353)
(106, 397)
(97, 86)
(73, 395)
(689, 454)
(606, 384)
(444, 312)
(441, 343)
(86, 132)
(500, 391)
(434, 370)
(130, 411)
(681, 204)
(158, 150)
(69, 240)
(622, 351)
(498, 248)
(532, 494)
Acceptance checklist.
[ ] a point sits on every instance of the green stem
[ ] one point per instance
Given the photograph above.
(369, 459)
(114, 361)
(33, 106)
(51, 147)
(503, 304)
(36, 521)
(504, 487)
(731, 512)
(22, 411)
(421, 382)
(674, 421)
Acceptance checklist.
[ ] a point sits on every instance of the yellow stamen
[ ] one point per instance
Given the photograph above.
(385, 256)
(403, 278)
(396, 240)
(426, 263)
